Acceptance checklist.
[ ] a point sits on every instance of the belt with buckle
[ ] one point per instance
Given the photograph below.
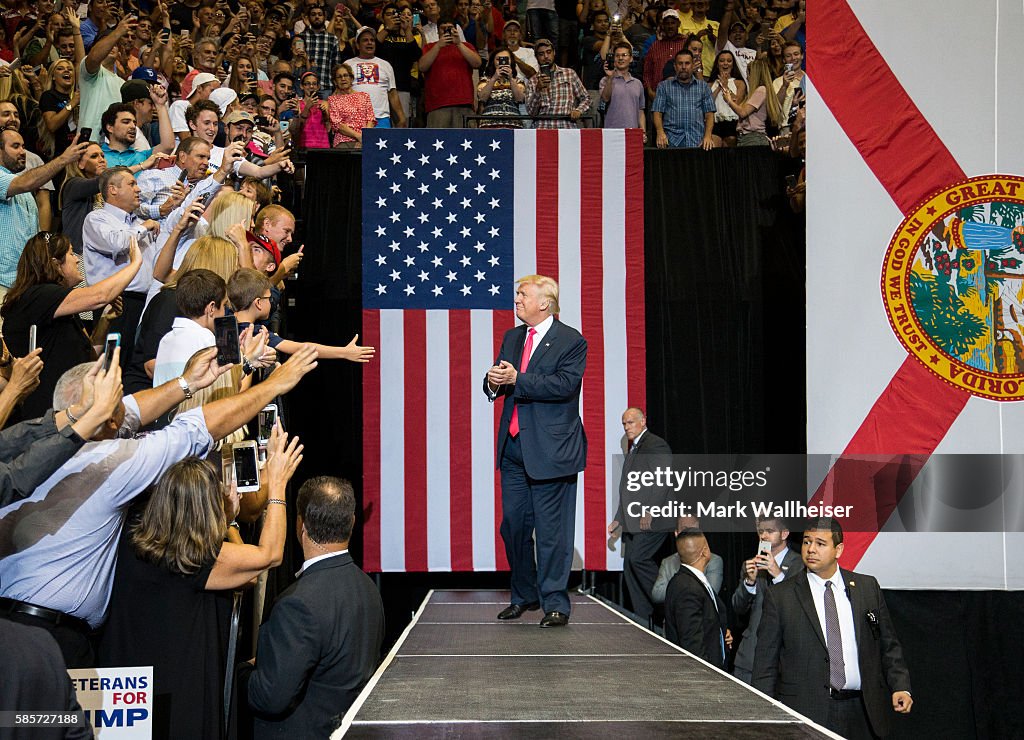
(54, 617)
(841, 694)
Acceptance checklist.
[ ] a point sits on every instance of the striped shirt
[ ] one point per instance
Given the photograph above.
(19, 222)
(58, 547)
(683, 107)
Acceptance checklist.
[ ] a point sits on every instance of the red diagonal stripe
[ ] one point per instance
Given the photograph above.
(876, 113)
(916, 409)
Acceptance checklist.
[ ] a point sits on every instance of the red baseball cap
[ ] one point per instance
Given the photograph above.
(266, 243)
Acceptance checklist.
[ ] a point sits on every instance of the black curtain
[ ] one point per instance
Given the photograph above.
(324, 305)
(725, 312)
(725, 309)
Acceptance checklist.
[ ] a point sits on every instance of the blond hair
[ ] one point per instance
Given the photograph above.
(759, 74)
(226, 211)
(208, 253)
(548, 288)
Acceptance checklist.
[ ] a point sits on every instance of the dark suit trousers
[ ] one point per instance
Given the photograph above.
(549, 506)
(640, 568)
(849, 718)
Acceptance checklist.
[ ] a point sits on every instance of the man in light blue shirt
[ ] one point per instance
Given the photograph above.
(107, 236)
(19, 216)
(58, 547)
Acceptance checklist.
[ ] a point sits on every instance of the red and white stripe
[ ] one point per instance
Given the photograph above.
(432, 499)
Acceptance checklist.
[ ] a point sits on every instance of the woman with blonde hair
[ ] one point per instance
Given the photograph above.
(170, 604)
(80, 193)
(59, 106)
(228, 209)
(759, 108)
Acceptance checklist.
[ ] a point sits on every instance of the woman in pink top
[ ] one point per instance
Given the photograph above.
(759, 108)
(312, 116)
(350, 111)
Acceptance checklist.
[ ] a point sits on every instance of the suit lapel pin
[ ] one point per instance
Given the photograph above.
(852, 583)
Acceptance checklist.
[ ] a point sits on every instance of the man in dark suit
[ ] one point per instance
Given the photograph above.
(695, 617)
(643, 541)
(760, 573)
(322, 641)
(826, 646)
(36, 678)
(541, 449)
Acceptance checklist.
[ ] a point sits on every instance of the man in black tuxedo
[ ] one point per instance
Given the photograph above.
(322, 641)
(643, 542)
(695, 617)
(826, 646)
(541, 448)
(760, 573)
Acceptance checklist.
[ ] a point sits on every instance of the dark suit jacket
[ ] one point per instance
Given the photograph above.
(548, 395)
(691, 620)
(791, 660)
(743, 601)
(317, 650)
(649, 452)
(35, 677)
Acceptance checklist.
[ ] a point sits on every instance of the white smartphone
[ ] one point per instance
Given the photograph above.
(265, 422)
(764, 548)
(112, 343)
(247, 469)
(32, 338)
(185, 33)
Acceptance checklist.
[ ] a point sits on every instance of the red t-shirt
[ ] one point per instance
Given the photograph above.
(449, 79)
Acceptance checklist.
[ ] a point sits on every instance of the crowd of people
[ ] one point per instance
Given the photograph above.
(144, 148)
(317, 73)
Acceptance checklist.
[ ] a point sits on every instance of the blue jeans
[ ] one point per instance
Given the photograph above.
(543, 25)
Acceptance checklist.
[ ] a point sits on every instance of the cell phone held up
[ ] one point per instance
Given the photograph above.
(85, 134)
(246, 465)
(112, 342)
(225, 332)
(265, 421)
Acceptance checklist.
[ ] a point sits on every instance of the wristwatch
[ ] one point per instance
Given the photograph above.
(184, 387)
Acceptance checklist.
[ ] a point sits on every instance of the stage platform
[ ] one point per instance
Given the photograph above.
(459, 672)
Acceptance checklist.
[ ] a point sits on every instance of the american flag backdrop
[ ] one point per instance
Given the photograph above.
(450, 219)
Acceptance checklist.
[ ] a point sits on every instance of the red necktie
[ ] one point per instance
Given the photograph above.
(513, 427)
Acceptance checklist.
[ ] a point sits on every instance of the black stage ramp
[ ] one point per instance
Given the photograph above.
(459, 672)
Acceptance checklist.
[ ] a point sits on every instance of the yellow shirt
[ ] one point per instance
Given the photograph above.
(784, 22)
(689, 25)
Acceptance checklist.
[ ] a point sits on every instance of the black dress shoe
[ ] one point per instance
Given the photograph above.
(516, 610)
(554, 619)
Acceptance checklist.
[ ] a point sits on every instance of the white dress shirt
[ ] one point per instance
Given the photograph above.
(846, 627)
(703, 579)
(106, 242)
(317, 559)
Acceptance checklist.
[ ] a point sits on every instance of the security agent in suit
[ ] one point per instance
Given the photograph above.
(645, 451)
(541, 449)
(761, 573)
(322, 641)
(830, 651)
(695, 617)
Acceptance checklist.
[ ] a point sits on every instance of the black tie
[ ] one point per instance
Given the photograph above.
(834, 640)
